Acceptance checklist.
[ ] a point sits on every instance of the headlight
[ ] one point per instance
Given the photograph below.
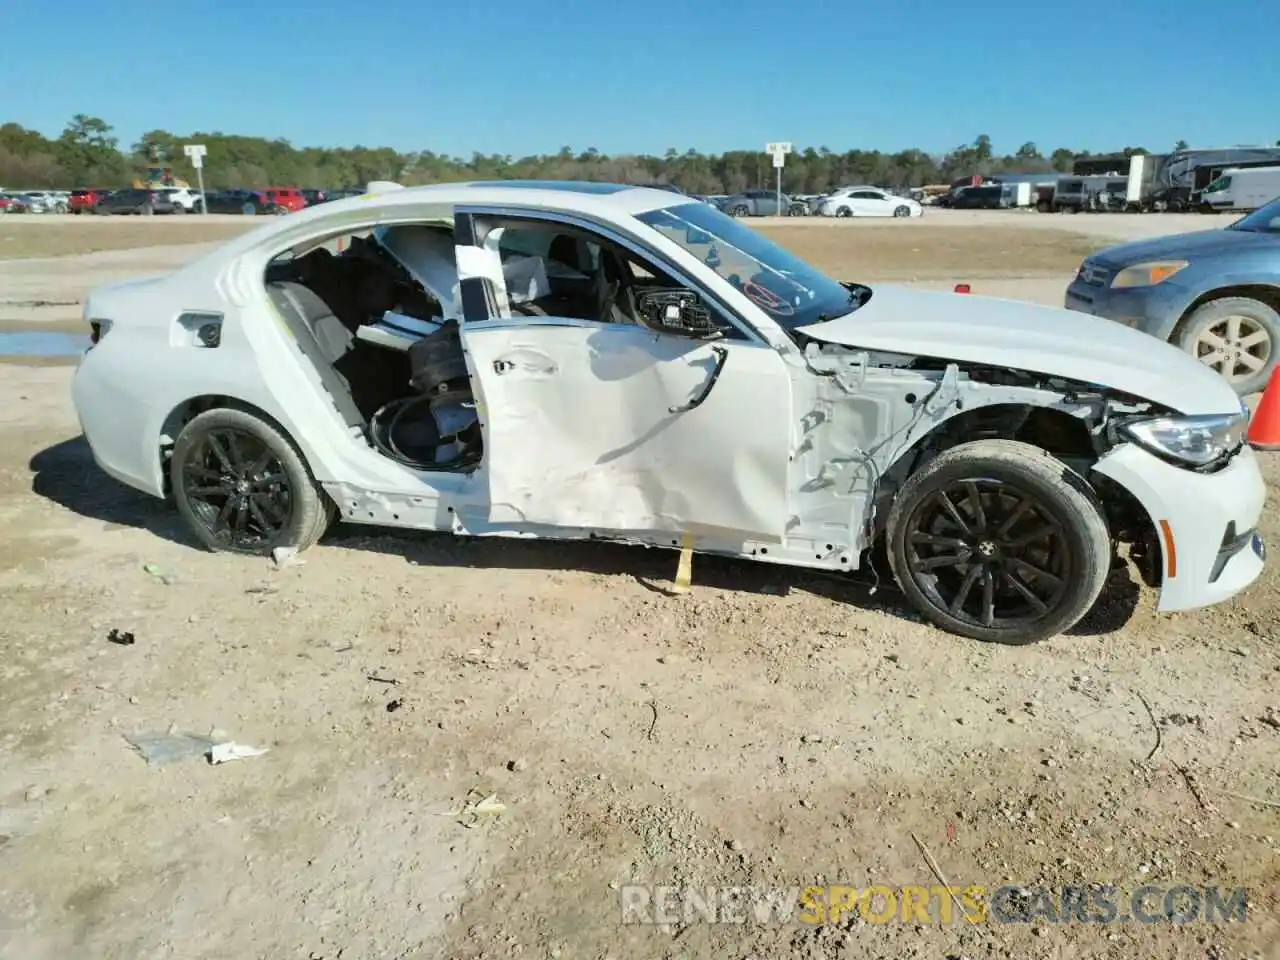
(1148, 274)
(1192, 440)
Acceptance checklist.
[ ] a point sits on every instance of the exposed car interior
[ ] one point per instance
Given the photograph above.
(379, 323)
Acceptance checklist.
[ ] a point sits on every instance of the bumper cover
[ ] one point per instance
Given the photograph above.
(1152, 310)
(1205, 523)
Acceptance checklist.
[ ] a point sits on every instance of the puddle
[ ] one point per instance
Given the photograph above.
(34, 344)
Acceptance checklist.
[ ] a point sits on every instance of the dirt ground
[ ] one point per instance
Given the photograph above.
(769, 729)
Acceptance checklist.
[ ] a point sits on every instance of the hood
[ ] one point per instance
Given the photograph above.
(1023, 336)
(1184, 246)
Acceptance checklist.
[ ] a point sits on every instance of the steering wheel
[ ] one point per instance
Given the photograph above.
(766, 299)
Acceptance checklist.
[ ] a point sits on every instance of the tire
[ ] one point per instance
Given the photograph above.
(148, 211)
(742, 210)
(900, 212)
(844, 212)
(1073, 540)
(307, 513)
(1234, 320)
(179, 210)
(249, 210)
(797, 210)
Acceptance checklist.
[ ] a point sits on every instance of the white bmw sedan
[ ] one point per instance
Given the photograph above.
(574, 361)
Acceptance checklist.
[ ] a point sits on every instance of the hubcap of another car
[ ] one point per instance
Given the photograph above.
(237, 488)
(1237, 347)
(988, 552)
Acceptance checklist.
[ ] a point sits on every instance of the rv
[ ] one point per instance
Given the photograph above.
(1243, 189)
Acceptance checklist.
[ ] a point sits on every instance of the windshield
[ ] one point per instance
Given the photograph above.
(791, 291)
(1263, 220)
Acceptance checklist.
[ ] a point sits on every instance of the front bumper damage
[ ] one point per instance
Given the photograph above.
(1205, 523)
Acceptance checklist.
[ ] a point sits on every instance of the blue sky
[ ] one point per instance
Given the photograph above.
(508, 76)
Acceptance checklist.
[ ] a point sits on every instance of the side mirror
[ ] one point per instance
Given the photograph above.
(677, 312)
(693, 236)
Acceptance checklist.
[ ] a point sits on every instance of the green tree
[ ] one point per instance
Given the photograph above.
(87, 151)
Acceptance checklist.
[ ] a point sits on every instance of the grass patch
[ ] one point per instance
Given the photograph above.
(936, 253)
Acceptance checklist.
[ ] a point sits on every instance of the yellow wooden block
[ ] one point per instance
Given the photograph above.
(684, 572)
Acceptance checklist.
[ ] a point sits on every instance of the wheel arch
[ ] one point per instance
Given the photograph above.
(1268, 293)
(1058, 433)
(186, 411)
(1055, 431)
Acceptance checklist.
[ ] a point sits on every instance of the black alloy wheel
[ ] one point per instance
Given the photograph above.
(998, 540)
(989, 552)
(243, 487)
(237, 488)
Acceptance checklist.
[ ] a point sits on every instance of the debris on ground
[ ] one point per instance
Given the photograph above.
(286, 557)
(475, 806)
(154, 570)
(121, 638)
(395, 705)
(222, 752)
(159, 748)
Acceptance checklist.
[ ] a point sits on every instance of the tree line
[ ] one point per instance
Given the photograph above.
(88, 154)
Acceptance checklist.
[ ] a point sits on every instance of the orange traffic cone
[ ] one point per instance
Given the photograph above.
(1264, 425)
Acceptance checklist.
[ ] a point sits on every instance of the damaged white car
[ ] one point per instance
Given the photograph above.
(565, 360)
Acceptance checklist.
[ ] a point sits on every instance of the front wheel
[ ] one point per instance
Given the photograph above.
(997, 540)
(902, 212)
(249, 210)
(243, 487)
(1236, 336)
(844, 212)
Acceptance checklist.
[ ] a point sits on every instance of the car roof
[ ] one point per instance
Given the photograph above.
(607, 199)
(605, 202)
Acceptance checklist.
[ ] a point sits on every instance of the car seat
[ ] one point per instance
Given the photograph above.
(322, 338)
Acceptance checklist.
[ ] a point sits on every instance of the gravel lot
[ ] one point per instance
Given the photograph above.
(768, 729)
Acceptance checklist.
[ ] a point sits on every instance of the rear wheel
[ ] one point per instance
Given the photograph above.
(999, 541)
(844, 212)
(741, 210)
(1236, 336)
(179, 209)
(243, 487)
(249, 210)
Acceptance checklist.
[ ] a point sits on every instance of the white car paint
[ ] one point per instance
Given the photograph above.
(867, 202)
(585, 431)
(1011, 333)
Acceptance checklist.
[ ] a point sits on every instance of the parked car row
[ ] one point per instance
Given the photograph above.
(175, 200)
(34, 201)
(852, 201)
